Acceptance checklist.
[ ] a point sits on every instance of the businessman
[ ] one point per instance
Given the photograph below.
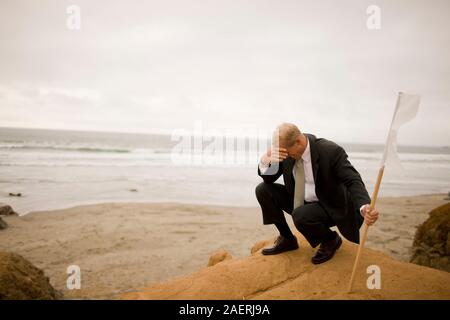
(321, 190)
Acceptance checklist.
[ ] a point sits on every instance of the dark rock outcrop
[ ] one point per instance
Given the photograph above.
(20, 280)
(3, 224)
(431, 245)
(6, 210)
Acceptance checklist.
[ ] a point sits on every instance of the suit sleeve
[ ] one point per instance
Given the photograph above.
(272, 173)
(347, 174)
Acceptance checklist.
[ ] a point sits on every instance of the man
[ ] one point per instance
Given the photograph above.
(321, 190)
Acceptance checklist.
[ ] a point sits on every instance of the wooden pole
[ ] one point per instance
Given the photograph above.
(365, 228)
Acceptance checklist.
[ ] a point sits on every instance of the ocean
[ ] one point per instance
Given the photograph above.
(54, 169)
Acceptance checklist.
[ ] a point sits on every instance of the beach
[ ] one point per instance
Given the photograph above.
(121, 247)
(132, 139)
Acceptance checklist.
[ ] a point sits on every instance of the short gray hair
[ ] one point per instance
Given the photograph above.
(286, 134)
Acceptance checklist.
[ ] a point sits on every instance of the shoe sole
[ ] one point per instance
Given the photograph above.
(272, 254)
(330, 257)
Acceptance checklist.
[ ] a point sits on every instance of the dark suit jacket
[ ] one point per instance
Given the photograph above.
(339, 186)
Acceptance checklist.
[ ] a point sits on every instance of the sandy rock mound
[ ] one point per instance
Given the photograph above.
(292, 276)
(19, 279)
(219, 256)
(432, 240)
(260, 245)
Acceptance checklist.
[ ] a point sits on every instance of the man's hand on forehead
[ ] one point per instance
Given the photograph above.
(278, 154)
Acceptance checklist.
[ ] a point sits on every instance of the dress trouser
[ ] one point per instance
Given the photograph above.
(311, 219)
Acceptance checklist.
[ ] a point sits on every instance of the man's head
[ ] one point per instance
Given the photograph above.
(289, 137)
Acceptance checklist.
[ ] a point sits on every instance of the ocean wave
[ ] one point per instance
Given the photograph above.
(63, 148)
(404, 156)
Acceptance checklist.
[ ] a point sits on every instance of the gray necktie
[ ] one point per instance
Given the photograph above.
(299, 192)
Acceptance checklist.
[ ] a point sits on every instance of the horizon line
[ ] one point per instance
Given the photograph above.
(168, 134)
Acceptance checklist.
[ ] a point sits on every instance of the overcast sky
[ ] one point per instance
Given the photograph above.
(157, 66)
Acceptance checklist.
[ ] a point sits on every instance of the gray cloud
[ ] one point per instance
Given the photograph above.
(158, 66)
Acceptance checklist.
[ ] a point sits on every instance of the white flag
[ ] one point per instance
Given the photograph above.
(405, 110)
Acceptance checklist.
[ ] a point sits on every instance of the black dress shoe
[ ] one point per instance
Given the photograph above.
(282, 244)
(327, 250)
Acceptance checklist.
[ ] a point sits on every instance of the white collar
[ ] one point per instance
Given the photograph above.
(306, 156)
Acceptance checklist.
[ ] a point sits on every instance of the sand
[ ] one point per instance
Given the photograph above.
(121, 247)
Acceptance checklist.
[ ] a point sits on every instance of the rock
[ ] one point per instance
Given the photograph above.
(15, 194)
(6, 210)
(447, 249)
(219, 256)
(259, 245)
(3, 224)
(431, 245)
(21, 280)
(422, 260)
(291, 275)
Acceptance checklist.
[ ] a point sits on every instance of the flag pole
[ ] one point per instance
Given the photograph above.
(374, 198)
(365, 228)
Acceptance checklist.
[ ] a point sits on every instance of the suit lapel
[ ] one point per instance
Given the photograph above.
(314, 154)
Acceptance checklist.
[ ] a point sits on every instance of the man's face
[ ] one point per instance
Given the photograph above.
(296, 150)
